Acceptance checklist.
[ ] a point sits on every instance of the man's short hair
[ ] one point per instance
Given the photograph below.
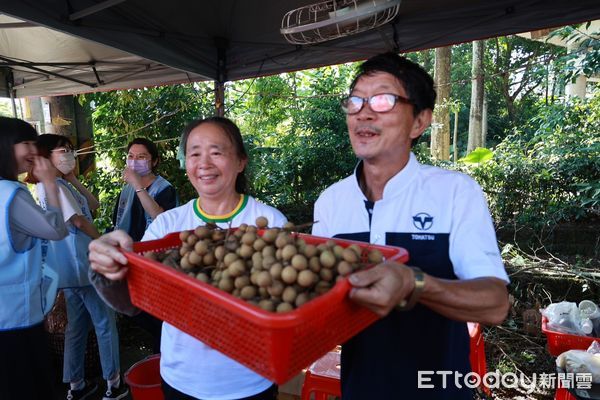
(415, 80)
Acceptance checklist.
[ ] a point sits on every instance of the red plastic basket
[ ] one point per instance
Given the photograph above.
(559, 342)
(277, 346)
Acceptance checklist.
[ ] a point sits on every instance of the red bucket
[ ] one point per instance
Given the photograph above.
(143, 379)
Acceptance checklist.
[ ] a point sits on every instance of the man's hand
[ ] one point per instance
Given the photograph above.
(106, 257)
(382, 287)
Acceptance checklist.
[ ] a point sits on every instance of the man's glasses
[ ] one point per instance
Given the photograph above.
(380, 103)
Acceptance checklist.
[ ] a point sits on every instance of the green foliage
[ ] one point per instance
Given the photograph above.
(157, 113)
(550, 175)
(297, 137)
(478, 156)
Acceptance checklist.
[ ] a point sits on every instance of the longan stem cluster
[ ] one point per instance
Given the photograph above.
(272, 268)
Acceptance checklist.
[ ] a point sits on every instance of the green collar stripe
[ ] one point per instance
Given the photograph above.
(220, 218)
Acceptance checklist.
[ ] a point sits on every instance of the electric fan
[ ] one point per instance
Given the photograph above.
(334, 19)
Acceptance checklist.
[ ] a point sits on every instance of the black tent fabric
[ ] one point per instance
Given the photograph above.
(192, 40)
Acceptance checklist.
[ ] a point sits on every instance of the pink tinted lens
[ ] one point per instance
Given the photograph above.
(382, 102)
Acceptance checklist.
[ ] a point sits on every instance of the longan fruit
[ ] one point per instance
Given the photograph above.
(259, 244)
(185, 263)
(289, 275)
(229, 258)
(310, 250)
(241, 281)
(192, 239)
(326, 274)
(220, 252)
(314, 264)
(231, 243)
(289, 294)
(226, 285)
(299, 262)
(276, 270)
(289, 251)
(375, 256)
(246, 251)
(270, 235)
(261, 222)
(268, 261)
(243, 227)
(208, 259)
(257, 260)
(327, 259)
(194, 258)
(202, 232)
(218, 235)
(201, 247)
(201, 276)
(338, 251)
(284, 307)
(249, 238)
(263, 279)
(247, 292)
(344, 268)
(350, 255)
(267, 305)
(276, 288)
(268, 251)
(289, 226)
(306, 278)
(282, 240)
(237, 268)
(301, 299)
(183, 235)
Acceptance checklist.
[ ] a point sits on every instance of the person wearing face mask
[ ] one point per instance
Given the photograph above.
(83, 303)
(145, 194)
(143, 198)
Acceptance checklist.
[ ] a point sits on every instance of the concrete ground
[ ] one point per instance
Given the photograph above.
(135, 346)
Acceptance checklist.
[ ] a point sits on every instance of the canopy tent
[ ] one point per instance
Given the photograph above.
(134, 43)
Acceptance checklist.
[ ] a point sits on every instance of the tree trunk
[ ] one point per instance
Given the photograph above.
(455, 138)
(440, 127)
(476, 111)
(484, 122)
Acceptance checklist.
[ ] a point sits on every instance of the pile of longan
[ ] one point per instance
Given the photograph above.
(276, 270)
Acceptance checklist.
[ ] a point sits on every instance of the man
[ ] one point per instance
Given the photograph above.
(420, 345)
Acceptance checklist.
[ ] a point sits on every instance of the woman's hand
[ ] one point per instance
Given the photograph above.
(382, 287)
(106, 257)
(43, 170)
(70, 177)
(133, 178)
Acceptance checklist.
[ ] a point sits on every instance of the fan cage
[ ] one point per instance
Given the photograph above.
(334, 19)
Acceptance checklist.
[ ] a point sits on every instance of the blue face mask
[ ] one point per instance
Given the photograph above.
(141, 167)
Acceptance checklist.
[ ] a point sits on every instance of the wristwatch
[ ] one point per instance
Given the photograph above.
(406, 305)
(143, 189)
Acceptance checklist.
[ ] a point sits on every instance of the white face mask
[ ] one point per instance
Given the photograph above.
(140, 167)
(66, 162)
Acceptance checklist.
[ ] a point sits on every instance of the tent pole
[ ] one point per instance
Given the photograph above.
(11, 92)
(222, 44)
(220, 98)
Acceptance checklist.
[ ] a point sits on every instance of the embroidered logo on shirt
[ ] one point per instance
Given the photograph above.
(422, 221)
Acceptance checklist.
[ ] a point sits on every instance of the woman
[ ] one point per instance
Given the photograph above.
(143, 198)
(83, 303)
(215, 161)
(27, 284)
(145, 194)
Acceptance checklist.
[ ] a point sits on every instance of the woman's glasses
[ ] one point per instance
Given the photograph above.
(380, 103)
(62, 150)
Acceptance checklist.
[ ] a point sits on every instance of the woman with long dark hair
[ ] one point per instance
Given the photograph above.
(27, 283)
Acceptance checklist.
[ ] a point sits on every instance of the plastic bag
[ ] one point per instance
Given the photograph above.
(580, 361)
(563, 317)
